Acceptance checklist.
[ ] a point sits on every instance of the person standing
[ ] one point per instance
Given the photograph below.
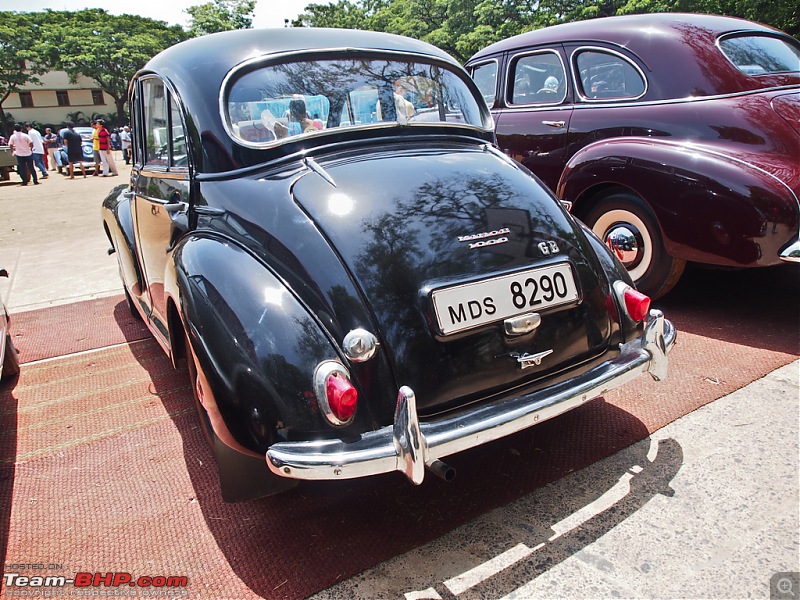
(51, 142)
(22, 147)
(74, 144)
(106, 151)
(125, 138)
(96, 148)
(38, 149)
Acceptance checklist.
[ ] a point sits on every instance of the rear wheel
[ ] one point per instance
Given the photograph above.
(11, 359)
(131, 305)
(627, 225)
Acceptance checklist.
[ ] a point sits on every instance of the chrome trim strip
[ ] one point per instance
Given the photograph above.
(408, 444)
(792, 252)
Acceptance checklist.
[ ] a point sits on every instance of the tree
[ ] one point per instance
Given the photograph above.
(462, 27)
(19, 57)
(220, 15)
(106, 48)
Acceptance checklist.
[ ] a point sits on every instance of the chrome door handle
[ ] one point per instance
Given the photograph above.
(556, 124)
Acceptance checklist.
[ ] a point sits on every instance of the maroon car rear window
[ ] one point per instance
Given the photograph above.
(761, 55)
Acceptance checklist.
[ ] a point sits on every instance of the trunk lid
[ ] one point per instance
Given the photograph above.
(457, 225)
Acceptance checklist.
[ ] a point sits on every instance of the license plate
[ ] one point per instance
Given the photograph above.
(470, 305)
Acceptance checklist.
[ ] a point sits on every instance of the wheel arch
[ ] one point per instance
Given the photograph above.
(257, 345)
(710, 205)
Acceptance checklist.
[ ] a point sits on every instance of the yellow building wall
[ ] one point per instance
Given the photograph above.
(45, 103)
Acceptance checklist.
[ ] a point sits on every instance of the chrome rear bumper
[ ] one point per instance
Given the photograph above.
(409, 444)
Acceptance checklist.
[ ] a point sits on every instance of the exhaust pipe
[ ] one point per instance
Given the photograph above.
(442, 470)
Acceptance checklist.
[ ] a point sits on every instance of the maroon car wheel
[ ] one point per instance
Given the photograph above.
(628, 227)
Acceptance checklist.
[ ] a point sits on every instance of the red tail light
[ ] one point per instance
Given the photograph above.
(636, 304)
(342, 396)
(336, 396)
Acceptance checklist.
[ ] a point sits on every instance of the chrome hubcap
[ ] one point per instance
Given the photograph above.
(626, 243)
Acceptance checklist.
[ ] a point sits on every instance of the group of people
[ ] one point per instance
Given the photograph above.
(64, 150)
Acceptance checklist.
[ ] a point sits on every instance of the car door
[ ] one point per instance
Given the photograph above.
(160, 190)
(533, 119)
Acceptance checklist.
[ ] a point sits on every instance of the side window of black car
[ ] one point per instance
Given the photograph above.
(607, 75)
(179, 156)
(537, 78)
(165, 141)
(154, 100)
(485, 77)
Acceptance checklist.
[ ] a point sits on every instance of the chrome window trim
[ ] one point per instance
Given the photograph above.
(751, 33)
(277, 57)
(514, 59)
(496, 78)
(576, 79)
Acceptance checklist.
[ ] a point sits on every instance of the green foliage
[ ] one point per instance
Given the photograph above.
(106, 48)
(19, 56)
(462, 27)
(220, 15)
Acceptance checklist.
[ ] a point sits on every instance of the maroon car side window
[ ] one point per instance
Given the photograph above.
(537, 78)
(606, 75)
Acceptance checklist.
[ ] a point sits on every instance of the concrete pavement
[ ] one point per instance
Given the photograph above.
(707, 507)
(52, 241)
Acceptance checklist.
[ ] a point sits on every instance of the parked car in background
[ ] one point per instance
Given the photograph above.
(675, 137)
(360, 281)
(86, 146)
(8, 163)
(9, 361)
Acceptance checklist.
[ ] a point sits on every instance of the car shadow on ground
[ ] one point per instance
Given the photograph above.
(301, 541)
(546, 527)
(8, 455)
(751, 307)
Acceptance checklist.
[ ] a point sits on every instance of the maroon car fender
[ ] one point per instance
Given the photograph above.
(711, 206)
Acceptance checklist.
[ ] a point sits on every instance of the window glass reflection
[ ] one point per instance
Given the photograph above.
(759, 55)
(280, 101)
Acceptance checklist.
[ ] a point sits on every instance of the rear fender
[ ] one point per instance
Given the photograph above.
(117, 217)
(257, 346)
(711, 207)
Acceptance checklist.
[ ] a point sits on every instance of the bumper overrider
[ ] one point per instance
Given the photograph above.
(410, 445)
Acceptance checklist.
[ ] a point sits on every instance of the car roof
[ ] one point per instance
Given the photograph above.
(678, 51)
(215, 55)
(197, 69)
(635, 31)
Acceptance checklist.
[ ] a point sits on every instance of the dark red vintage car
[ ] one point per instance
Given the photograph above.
(675, 137)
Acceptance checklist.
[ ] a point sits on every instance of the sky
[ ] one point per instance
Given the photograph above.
(268, 13)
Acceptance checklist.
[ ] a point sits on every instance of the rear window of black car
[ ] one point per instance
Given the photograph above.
(761, 55)
(275, 102)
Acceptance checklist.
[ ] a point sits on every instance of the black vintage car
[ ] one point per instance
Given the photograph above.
(9, 361)
(319, 221)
